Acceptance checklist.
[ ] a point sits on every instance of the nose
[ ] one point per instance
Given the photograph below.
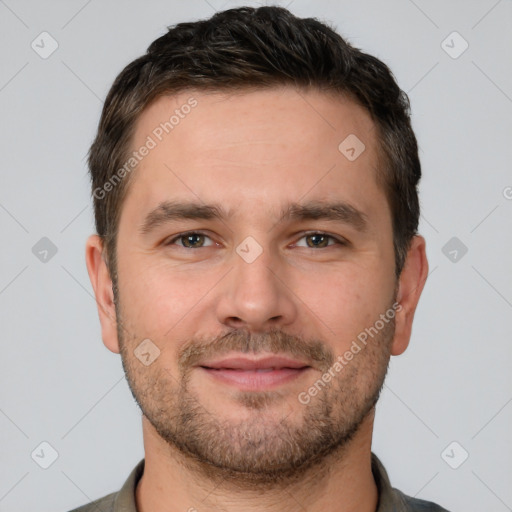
(256, 296)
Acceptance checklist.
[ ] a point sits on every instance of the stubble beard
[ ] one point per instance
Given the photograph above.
(264, 451)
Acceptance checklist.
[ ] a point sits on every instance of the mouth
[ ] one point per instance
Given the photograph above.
(255, 374)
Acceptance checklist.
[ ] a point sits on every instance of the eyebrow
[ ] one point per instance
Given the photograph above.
(340, 211)
(335, 211)
(168, 211)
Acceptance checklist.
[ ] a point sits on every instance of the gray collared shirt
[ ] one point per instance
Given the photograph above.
(390, 499)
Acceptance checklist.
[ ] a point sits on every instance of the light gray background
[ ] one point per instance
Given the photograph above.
(59, 384)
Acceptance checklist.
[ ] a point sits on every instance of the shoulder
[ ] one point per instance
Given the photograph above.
(392, 499)
(410, 504)
(122, 500)
(105, 504)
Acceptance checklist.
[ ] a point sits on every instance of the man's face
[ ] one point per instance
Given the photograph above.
(255, 283)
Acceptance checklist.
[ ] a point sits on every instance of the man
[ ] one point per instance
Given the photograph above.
(257, 263)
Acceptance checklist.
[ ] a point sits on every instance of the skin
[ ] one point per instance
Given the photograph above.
(254, 152)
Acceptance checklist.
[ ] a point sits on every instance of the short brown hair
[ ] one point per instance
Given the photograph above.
(247, 48)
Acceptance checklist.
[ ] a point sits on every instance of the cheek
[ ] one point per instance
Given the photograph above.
(159, 300)
(345, 302)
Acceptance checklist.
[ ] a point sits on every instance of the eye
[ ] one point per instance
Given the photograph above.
(319, 240)
(191, 240)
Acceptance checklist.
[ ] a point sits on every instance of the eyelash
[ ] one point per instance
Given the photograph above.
(337, 240)
(183, 235)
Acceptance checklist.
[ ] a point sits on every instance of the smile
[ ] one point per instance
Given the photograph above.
(255, 374)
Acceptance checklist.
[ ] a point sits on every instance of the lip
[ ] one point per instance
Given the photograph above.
(245, 363)
(255, 374)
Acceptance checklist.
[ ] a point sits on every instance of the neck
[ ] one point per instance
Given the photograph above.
(341, 482)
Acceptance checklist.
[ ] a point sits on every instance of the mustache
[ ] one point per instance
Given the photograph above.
(314, 351)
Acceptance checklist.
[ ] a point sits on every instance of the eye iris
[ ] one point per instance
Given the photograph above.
(317, 240)
(193, 240)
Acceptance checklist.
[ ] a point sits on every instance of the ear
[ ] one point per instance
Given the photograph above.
(102, 284)
(411, 283)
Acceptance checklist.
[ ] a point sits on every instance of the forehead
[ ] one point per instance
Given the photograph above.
(264, 146)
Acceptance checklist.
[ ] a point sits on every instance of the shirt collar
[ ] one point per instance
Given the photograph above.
(390, 500)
